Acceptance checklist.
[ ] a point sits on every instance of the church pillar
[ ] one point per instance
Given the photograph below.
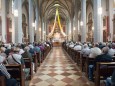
(76, 21)
(110, 20)
(72, 29)
(31, 30)
(67, 25)
(37, 23)
(42, 30)
(83, 20)
(3, 18)
(45, 31)
(98, 30)
(18, 21)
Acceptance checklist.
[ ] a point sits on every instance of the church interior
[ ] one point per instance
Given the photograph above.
(57, 42)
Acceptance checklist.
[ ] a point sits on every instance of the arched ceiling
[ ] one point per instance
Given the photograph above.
(48, 8)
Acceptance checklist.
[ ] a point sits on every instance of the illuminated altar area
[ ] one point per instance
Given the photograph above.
(57, 31)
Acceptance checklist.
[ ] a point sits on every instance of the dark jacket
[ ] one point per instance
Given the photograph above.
(113, 78)
(103, 58)
(27, 54)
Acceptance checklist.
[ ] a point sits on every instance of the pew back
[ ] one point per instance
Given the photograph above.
(17, 72)
(2, 81)
(103, 69)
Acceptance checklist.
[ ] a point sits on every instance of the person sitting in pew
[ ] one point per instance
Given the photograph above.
(110, 81)
(78, 46)
(111, 51)
(15, 58)
(85, 50)
(104, 57)
(95, 51)
(2, 51)
(32, 51)
(3, 72)
(27, 54)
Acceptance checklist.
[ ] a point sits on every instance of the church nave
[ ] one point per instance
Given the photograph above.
(59, 70)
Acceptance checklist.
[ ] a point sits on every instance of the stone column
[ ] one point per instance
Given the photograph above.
(3, 19)
(67, 26)
(83, 19)
(45, 30)
(42, 31)
(98, 36)
(31, 30)
(18, 21)
(37, 22)
(72, 29)
(76, 21)
(110, 19)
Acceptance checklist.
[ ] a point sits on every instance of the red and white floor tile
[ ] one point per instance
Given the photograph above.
(59, 70)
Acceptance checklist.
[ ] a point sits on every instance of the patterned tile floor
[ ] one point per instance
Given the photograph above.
(59, 70)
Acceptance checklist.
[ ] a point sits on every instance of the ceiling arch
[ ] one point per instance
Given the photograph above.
(47, 8)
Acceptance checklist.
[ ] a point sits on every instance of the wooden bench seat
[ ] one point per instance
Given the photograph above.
(78, 57)
(16, 71)
(88, 62)
(29, 64)
(35, 60)
(105, 71)
(82, 62)
(2, 81)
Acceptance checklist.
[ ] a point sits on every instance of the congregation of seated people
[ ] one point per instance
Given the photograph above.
(13, 54)
(100, 52)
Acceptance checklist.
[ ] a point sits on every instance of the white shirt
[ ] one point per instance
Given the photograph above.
(17, 57)
(111, 52)
(2, 59)
(21, 51)
(77, 47)
(86, 51)
(94, 52)
(71, 45)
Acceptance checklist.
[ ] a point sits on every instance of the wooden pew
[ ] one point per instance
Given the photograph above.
(35, 60)
(78, 57)
(2, 81)
(106, 71)
(82, 62)
(17, 72)
(39, 58)
(88, 62)
(28, 64)
(74, 53)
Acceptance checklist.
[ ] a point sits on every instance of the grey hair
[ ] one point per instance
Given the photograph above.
(105, 50)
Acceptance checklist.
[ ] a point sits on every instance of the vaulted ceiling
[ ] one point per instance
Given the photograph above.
(48, 8)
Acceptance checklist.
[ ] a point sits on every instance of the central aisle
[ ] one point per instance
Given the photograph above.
(58, 70)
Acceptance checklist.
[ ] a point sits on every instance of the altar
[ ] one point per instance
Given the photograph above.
(56, 44)
(57, 39)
